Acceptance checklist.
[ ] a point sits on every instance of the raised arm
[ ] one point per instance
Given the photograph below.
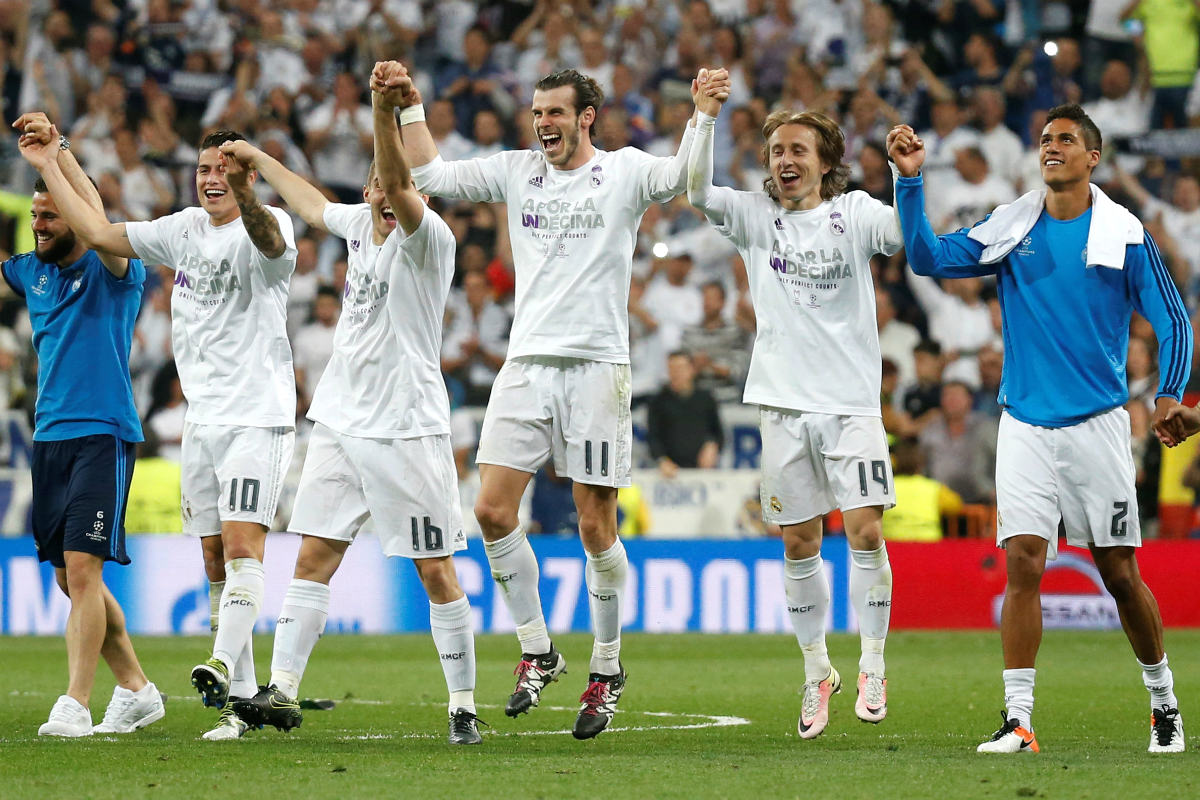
(261, 225)
(700, 190)
(390, 160)
(954, 255)
(668, 177)
(38, 126)
(88, 223)
(300, 195)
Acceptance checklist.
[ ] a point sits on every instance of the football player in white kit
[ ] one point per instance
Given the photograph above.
(573, 214)
(380, 446)
(233, 259)
(815, 375)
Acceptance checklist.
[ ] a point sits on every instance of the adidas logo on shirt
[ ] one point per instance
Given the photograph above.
(536, 181)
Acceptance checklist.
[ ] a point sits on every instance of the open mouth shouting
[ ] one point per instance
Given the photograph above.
(214, 195)
(388, 216)
(789, 179)
(552, 142)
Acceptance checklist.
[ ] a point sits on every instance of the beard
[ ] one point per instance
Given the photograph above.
(55, 250)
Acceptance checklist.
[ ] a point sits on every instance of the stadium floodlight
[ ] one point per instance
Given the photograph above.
(660, 250)
(1050, 48)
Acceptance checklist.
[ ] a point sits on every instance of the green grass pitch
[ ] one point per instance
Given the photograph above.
(386, 737)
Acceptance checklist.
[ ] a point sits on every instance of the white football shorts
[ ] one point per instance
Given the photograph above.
(572, 409)
(1082, 475)
(407, 489)
(232, 473)
(813, 463)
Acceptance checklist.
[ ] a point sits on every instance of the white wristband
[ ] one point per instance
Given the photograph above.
(412, 114)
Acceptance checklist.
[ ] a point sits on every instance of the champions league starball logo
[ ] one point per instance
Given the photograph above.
(597, 175)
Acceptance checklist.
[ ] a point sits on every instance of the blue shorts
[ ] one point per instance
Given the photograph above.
(80, 487)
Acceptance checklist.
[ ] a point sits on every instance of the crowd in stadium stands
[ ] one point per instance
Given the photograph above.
(135, 84)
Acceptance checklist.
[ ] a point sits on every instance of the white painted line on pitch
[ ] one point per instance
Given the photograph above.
(702, 721)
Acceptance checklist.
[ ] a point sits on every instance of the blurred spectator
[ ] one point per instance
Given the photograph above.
(154, 491)
(91, 65)
(46, 81)
(11, 384)
(1108, 39)
(959, 321)
(983, 69)
(151, 347)
(552, 504)
(942, 142)
(633, 512)
(921, 502)
(547, 45)
(673, 302)
(1170, 39)
(1001, 147)
(464, 439)
(683, 425)
(647, 359)
(897, 339)
(305, 282)
(991, 374)
(147, 191)
(1121, 112)
(313, 345)
(960, 446)
(923, 398)
(874, 176)
(719, 349)
(969, 195)
(473, 83)
(488, 135)
(1141, 372)
(341, 139)
(443, 126)
(1180, 217)
(11, 78)
(476, 339)
(165, 418)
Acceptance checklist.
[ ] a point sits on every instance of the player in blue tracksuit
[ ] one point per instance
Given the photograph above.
(82, 309)
(1064, 444)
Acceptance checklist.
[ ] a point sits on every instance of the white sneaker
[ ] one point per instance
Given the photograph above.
(814, 706)
(127, 711)
(1013, 737)
(229, 726)
(871, 705)
(68, 718)
(1166, 731)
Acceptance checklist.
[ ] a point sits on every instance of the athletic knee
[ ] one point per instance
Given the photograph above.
(1025, 570)
(1122, 584)
(439, 579)
(496, 517)
(312, 568)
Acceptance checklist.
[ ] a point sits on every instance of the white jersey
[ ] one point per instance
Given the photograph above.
(817, 346)
(228, 316)
(384, 380)
(573, 234)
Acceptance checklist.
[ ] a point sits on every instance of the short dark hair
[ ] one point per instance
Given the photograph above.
(329, 291)
(39, 185)
(1075, 113)
(218, 138)
(928, 346)
(587, 91)
(679, 354)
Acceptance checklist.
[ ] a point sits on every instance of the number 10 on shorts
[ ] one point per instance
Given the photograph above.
(249, 496)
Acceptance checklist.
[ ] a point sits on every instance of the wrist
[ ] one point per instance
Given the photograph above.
(412, 114)
(704, 118)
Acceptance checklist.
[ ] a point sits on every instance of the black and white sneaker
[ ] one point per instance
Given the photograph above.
(270, 707)
(1166, 730)
(533, 673)
(599, 704)
(464, 727)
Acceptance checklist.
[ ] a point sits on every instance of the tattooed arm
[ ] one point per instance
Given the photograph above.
(261, 225)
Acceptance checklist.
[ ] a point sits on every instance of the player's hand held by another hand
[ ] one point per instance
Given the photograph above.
(1174, 422)
(391, 86)
(237, 169)
(38, 148)
(35, 126)
(710, 90)
(242, 151)
(906, 150)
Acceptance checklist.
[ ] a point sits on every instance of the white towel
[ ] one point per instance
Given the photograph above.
(1112, 227)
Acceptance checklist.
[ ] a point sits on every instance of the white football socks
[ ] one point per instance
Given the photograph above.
(605, 576)
(871, 599)
(450, 624)
(301, 623)
(1160, 683)
(515, 570)
(241, 680)
(1018, 695)
(240, 601)
(807, 590)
